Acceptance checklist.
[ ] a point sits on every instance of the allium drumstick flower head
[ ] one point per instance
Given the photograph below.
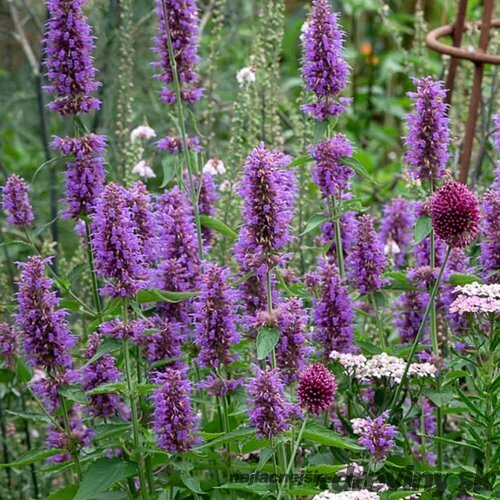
(46, 336)
(455, 214)
(16, 203)
(173, 420)
(376, 435)
(268, 410)
(85, 175)
(397, 227)
(329, 173)
(366, 262)
(183, 21)
(490, 246)
(215, 319)
(9, 339)
(316, 389)
(333, 314)
(428, 132)
(268, 191)
(68, 46)
(324, 69)
(117, 249)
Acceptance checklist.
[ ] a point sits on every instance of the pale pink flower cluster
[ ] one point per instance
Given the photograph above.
(476, 298)
(381, 366)
(142, 133)
(246, 76)
(214, 167)
(347, 495)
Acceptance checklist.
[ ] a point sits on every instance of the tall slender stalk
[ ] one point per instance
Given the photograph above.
(67, 426)
(380, 329)
(335, 214)
(90, 259)
(28, 446)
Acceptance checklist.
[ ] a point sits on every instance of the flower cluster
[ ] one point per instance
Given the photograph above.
(347, 495)
(376, 435)
(490, 246)
(9, 340)
(316, 388)
(15, 201)
(175, 144)
(476, 298)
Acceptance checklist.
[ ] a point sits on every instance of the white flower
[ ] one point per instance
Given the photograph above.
(214, 167)
(478, 290)
(422, 370)
(142, 133)
(391, 248)
(349, 361)
(246, 75)
(225, 186)
(142, 169)
(347, 495)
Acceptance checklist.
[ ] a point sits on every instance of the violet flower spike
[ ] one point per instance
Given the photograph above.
(16, 203)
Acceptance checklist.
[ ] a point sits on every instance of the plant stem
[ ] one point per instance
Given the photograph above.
(90, 258)
(292, 458)
(270, 311)
(380, 329)
(69, 434)
(395, 403)
(133, 407)
(335, 213)
(28, 446)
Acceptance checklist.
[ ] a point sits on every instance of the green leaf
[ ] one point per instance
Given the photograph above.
(153, 295)
(33, 456)
(265, 455)
(439, 398)
(267, 338)
(218, 225)
(460, 279)
(107, 388)
(24, 372)
(314, 222)
(301, 160)
(169, 167)
(74, 394)
(321, 435)
(103, 474)
(66, 493)
(324, 469)
(30, 416)
(230, 437)
(368, 347)
(358, 168)
(192, 483)
(303, 491)
(399, 281)
(107, 345)
(42, 166)
(422, 228)
(258, 489)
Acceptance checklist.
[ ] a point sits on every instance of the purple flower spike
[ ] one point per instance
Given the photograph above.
(329, 173)
(324, 69)
(46, 336)
(428, 135)
(183, 24)
(268, 410)
(85, 175)
(268, 191)
(173, 419)
(411, 307)
(15, 201)
(215, 319)
(117, 248)
(316, 389)
(366, 262)
(490, 246)
(348, 224)
(68, 47)
(9, 340)
(455, 214)
(333, 314)
(216, 386)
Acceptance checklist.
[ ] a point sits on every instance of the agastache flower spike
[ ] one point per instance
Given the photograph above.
(68, 46)
(85, 175)
(183, 24)
(9, 339)
(173, 419)
(15, 201)
(428, 135)
(46, 336)
(215, 319)
(324, 69)
(117, 251)
(490, 246)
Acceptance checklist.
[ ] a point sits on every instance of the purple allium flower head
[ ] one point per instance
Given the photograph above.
(174, 144)
(348, 224)
(183, 21)
(216, 386)
(268, 191)
(397, 227)
(428, 135)
(375, 435)
(490, 246)
(455, 214)
(99, 372)
(85, 175)
(410, 313)
(329, 173)
(15, 201)
(366, 262)
(316, 388)
(292, 351)
(333, 314)
(173, 420)
(117, 250)
(268, 410)
(142, 214)
(324, 69)
(215, 319)
(9, 339)
(46, 336)
(68, 46)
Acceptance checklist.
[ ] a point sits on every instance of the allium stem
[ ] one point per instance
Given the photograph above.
(192, 192)
(90, 258)
(292, 458)
(338, 235)
(395, 403)
(133, 407)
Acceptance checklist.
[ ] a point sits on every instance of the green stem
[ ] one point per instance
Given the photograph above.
(396, 403)
(90, 258)
(69, 434)
(380, 329)
(270, 312)
(292, 458)
(338, 235)
(490, 413)
(133, 407)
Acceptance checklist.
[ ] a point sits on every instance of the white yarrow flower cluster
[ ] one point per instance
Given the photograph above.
(246, 76)
(214, 167)
(476, 298)
(479, 290)
(347, 495)
(142, 169)
(142, 133)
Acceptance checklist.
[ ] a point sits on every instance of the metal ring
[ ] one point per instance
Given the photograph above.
(446, 30)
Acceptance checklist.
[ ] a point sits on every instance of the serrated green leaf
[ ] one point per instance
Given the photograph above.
(192, 483)
(217, 225)
(153, 295)
(314, 222)
(266, 341)
(108, 345)
(439, 398)
(33, 456)
(422, 228)
(321, 435)
(236, 435)
(108, 388)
